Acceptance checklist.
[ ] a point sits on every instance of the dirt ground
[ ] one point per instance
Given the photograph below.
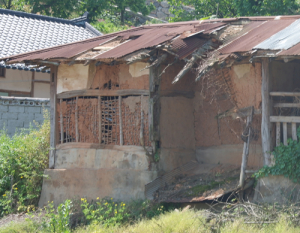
(200, 184)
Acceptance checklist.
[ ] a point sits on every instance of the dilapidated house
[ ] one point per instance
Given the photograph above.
(129, 108)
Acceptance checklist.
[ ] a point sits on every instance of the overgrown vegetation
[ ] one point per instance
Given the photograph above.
(229, 217)
(23, 159)
(287, 161)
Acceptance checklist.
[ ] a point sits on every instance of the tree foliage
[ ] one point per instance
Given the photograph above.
(232, 8)
(71, 8)
(18, 5)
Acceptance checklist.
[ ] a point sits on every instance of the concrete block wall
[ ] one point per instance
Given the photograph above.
(19, 112)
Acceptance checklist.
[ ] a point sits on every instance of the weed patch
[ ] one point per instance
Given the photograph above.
(23, 159)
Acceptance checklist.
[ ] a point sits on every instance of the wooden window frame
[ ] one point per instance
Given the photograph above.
(4, 72)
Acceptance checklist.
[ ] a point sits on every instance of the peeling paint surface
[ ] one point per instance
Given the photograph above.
(138, 69)
(71, 78)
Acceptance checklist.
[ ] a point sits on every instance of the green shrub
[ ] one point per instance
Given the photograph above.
(104, 211)
(59, 220)
(23, 159)
(108, 212)
(287, 161)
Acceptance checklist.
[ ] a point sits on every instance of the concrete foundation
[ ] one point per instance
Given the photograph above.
(276, 189)
(120, 172)
(120, 184)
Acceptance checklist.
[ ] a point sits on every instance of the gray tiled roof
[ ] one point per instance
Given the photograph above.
(23, 32)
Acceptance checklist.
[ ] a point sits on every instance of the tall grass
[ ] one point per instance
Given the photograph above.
(190, 221)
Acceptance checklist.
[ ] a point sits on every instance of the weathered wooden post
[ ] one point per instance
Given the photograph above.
(265, 112)
(53, 116)
(246, 149)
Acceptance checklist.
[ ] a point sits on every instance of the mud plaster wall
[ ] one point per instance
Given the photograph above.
(185, 84)
(219, 140)
(72, 77)
(176, 131)
(121, 76)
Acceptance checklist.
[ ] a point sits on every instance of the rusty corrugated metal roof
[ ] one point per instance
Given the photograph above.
(294, 51)
(260, 32)
(284, 39)
(258, 29)
(150, 38)
(185, 47)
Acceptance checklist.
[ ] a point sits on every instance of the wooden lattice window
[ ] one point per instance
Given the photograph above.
(108, 120)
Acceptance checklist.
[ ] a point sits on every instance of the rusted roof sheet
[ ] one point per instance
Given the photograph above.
(63, 51)
(261, 32)
(150, 38)
(209, 27)
(185, 47)
(256, 31)
(294, 51)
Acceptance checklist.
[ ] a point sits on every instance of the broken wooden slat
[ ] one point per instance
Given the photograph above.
(277, 133)
(76, 119)
(120, 121)
(287, 105)
(265, 108)
(61, 123)
(100, 119)
(72, 94)
(284, 93)
(294, 131)
(285, 133)
(287, 119)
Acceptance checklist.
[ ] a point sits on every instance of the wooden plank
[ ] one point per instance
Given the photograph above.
(92, 73)
(126, 148)
(284, 93)
(120, 121)
(41, 81)
(246, 150)
(287, 119)
(71, 94)
(285, 133)
(100, 119)
(277, 133)
(32, 84)
(61, 123)
(265, 122)
(53, 116)
(76, 119)
(152, 75)
(142, 124)
(294, 131)
(287, 105)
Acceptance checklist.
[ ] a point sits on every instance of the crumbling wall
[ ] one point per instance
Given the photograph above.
(70, 78)
(121, 76)
(218, 136)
